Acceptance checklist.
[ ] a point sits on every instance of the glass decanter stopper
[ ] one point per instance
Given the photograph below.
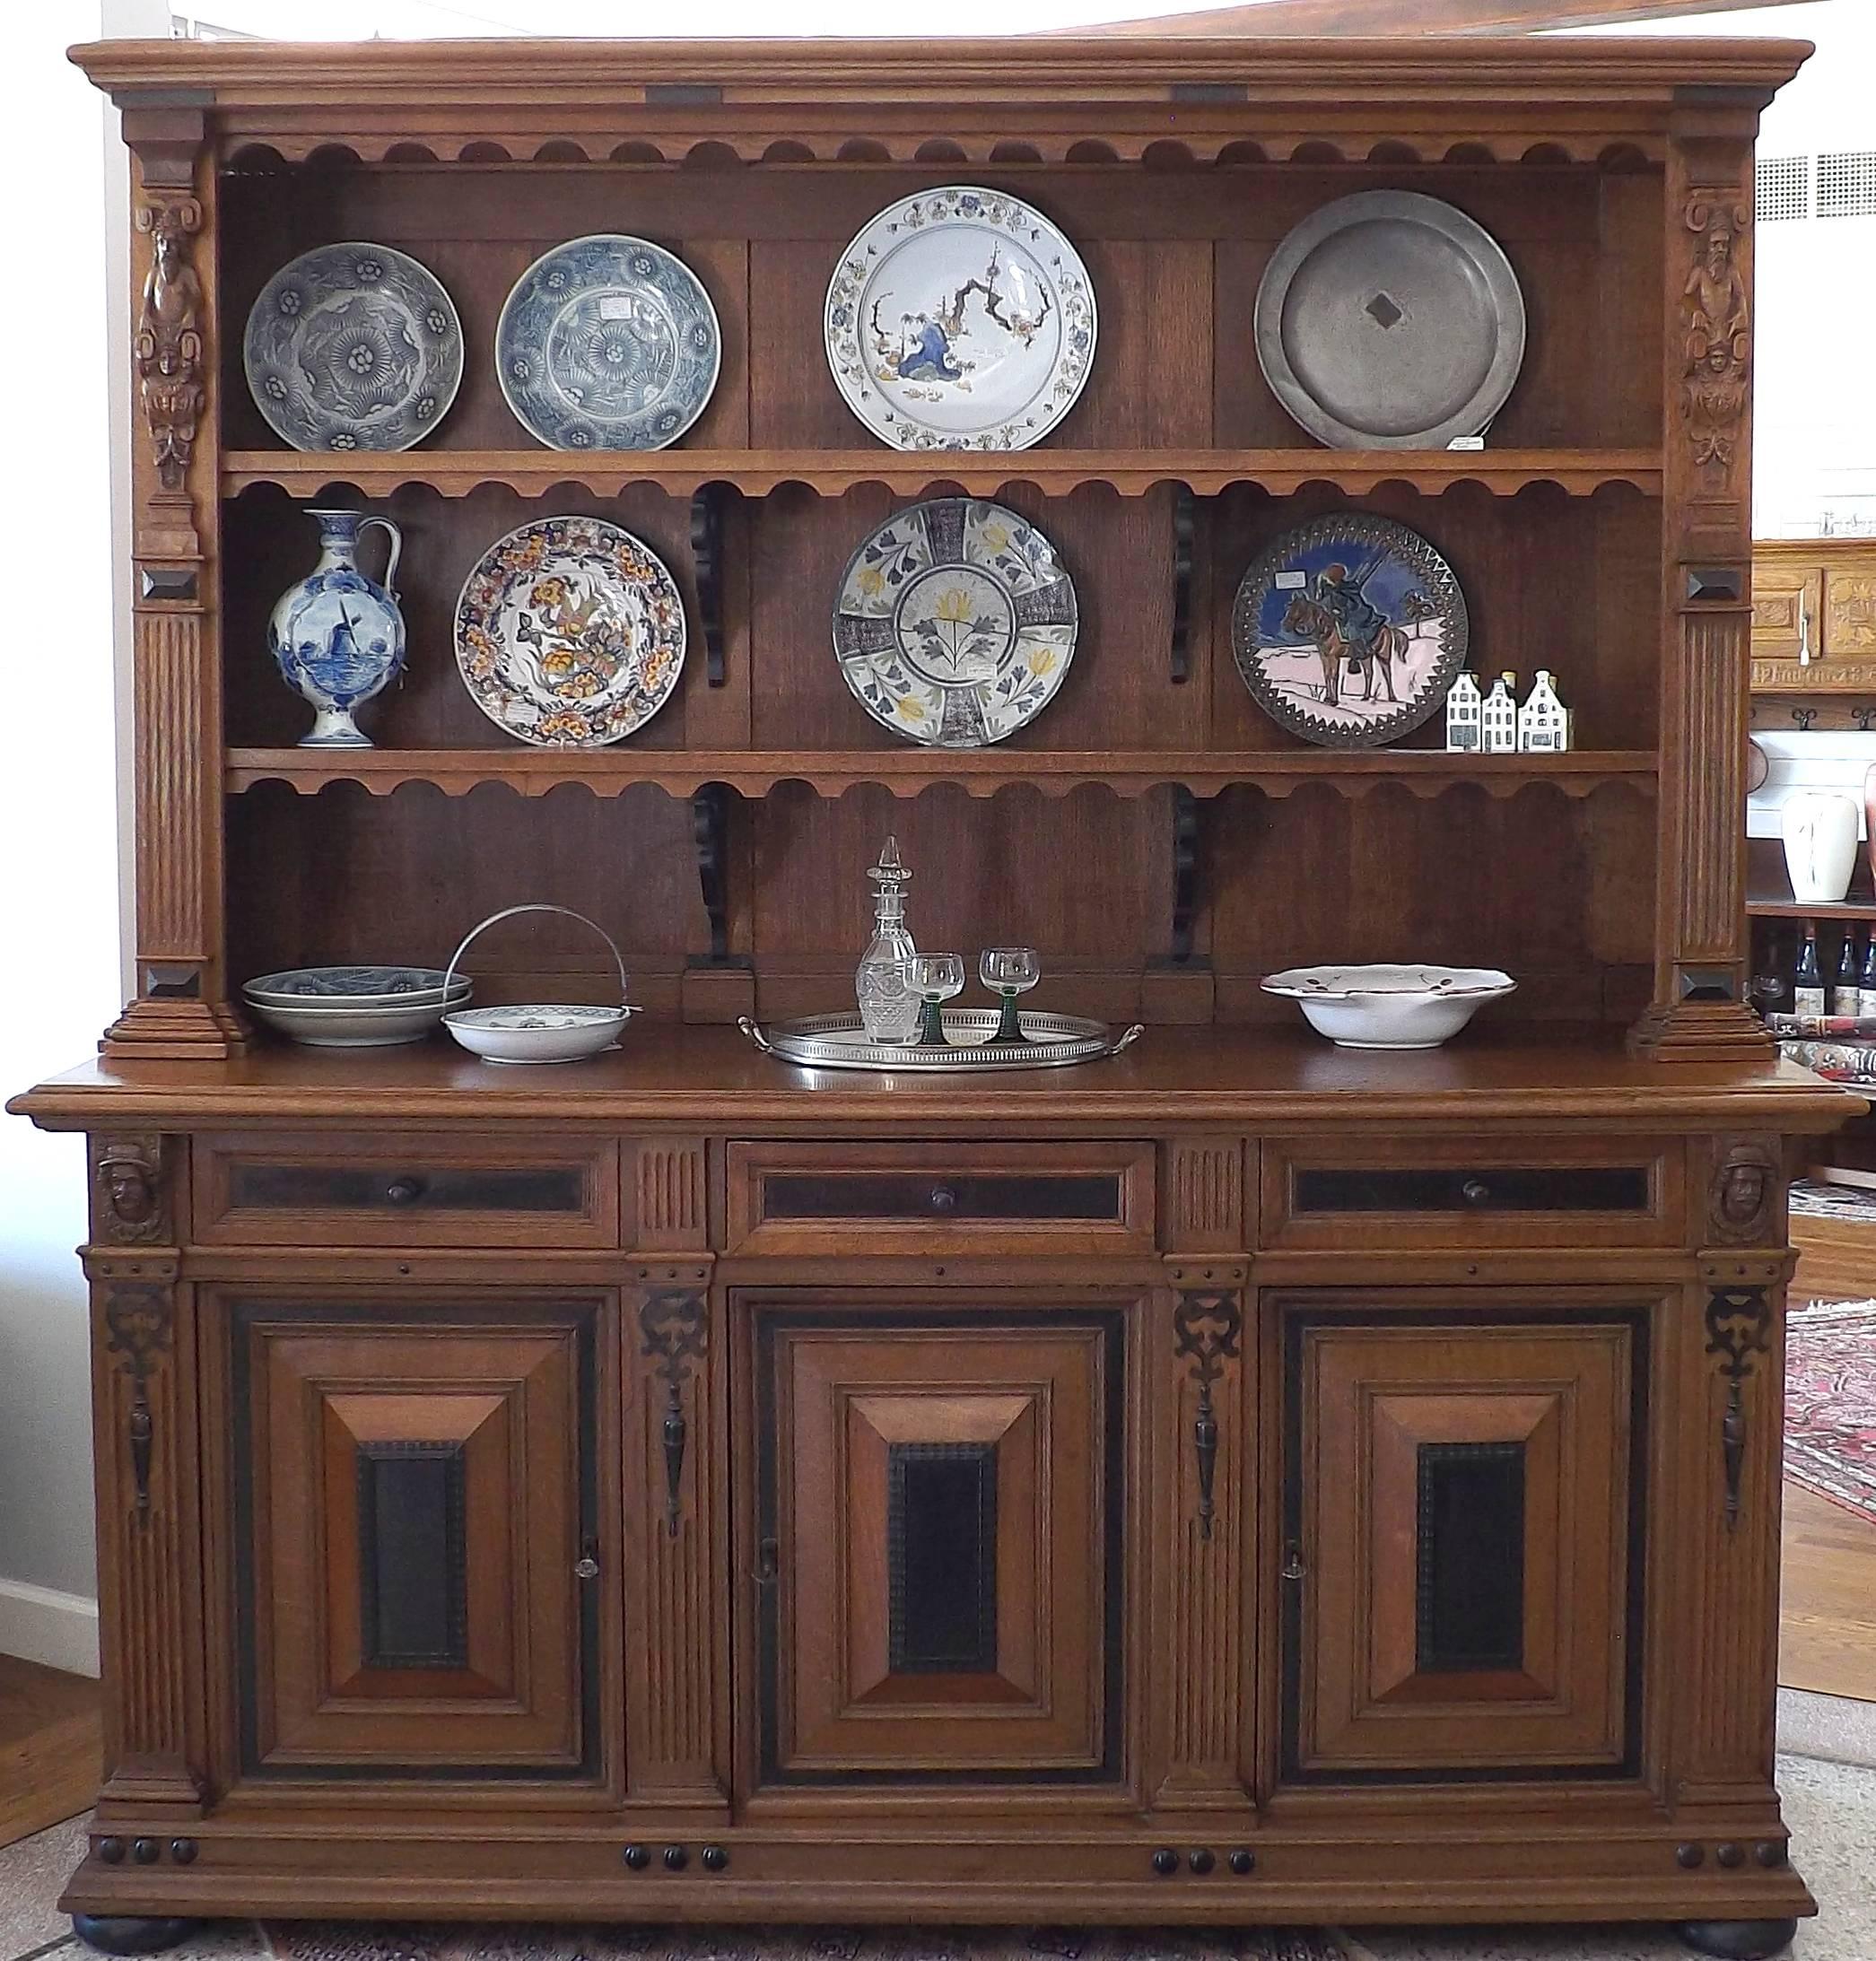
(888, 1001)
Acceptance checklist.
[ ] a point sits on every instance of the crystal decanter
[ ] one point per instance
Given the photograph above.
(889, 1002)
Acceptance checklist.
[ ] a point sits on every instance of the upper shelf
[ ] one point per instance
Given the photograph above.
(980, 772)
(829, 473)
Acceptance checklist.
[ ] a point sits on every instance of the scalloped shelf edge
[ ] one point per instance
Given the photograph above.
(1578, 473)
(534, 772)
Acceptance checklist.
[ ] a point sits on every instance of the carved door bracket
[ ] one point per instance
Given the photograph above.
(1206, 1327)
(140, 1322)
(1741, 1310)
(674, 1322)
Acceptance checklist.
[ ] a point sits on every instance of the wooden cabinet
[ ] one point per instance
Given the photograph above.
(1242, 1480)
(1814, 615)
(1464, 1504)
(414, 1497)
(938, 1523)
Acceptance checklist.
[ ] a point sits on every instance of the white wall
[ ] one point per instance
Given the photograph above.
(60, 979)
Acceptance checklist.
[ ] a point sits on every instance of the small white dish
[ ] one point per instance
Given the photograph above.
(552, 1033)
(1389, 1007)
(535, 1031)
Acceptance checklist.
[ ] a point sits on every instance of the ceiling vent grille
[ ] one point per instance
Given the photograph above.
(1784, 189)
(1847, 185)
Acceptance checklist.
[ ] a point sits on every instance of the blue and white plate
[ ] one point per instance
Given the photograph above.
(354, 346)
(607, 343)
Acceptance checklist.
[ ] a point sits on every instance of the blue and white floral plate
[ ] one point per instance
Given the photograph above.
(960, 318)
(354, 346)
(607, 343)
(570, 633)
(955, 622)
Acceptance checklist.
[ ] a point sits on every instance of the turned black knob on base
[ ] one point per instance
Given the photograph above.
(146, 1852)
(1730, 1855)
(1243, 1861)
(1739, 1940)
(1771, 1853)
(1165, 1861)
(1689, 1856)
(715, 1859)
(636, 1857)
(183, 1851)
(1200, 1860)
(130, 1933)
(111, 1850)
(676, 1859)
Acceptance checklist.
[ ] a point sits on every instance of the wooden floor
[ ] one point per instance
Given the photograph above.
(1828, 1638)
(52, 1747)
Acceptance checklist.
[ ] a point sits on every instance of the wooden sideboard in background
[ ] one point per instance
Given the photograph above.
(1814, 615)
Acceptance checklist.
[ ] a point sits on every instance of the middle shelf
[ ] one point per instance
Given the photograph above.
(981, 772)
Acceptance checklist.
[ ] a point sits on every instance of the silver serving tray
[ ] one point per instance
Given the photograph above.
(840, 1042)
(1390, 320)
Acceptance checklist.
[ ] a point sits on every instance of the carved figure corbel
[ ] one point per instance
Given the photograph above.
(169, 349)
(129, 1188)
(1717, 325)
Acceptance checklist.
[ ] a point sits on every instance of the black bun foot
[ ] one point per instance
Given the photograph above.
(130, 1933)
(1739, 1940)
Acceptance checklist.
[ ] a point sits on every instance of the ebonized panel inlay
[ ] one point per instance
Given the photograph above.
(941, 1555)
(1589, 1187)
(1469, 1600)
(413, 1564)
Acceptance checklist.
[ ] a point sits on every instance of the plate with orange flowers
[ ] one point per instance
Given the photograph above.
(570, 633)
(955, 622)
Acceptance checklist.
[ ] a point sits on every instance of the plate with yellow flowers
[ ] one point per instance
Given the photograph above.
(955, 622)
(570, 633)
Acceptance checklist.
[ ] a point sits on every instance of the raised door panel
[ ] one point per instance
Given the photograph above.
(940, 1502)
(1787, 610)
(1462, 1499)
(414, 1493)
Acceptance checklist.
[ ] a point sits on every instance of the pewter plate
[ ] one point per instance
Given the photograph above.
(839, 1041)
(607, 343)
(353, 346)
(1390, 320)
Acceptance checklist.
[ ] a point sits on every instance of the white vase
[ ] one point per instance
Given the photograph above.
(1820, 845)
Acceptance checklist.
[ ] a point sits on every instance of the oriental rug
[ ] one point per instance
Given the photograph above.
(1830, 1401)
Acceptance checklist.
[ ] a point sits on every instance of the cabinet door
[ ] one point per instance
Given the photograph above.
(939, 1505)
(1463, 1507)
(413, 1489)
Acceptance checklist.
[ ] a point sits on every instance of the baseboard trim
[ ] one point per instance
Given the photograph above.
(41, 1624)
(1836, 1728)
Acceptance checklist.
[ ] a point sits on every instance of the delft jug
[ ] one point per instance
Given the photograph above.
(337, 637)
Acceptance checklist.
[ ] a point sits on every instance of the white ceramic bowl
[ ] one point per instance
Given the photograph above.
(1389, 1007)
(333, 1024)
(554, 1033)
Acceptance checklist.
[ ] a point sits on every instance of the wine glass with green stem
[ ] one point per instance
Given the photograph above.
(935, 978)
(1010, 972)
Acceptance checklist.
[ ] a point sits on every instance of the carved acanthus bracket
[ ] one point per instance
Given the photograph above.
(139, 1322)
(1746, 1193)
(1741, 1310)
(674, 1322)
(169, 350)
(1717, 323)
(129, 1190)
(1206, 1327)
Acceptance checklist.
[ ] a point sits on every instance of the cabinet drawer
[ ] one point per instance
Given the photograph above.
(1452, 1193)
(1004, 1196)
(410, 1190)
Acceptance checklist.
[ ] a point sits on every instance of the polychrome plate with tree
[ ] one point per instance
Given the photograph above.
(955, 622)
(960, 318)
(570, 633)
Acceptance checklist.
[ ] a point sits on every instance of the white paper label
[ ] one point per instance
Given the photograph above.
(1292, 581)
(616, 306)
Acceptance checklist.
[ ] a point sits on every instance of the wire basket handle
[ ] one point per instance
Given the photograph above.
(495, 919)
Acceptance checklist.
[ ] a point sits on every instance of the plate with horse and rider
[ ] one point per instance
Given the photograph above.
(1349, 630)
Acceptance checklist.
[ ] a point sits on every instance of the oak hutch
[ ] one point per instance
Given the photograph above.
(1242, 1481)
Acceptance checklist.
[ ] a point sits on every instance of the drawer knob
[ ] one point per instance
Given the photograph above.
(1165, 1861)
(1474, 1191)
(943, 1198)
(403, 1192)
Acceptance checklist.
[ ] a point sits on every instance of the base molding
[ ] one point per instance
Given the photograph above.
(57, 1630)
(174, 1028)
(1701, 1032)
